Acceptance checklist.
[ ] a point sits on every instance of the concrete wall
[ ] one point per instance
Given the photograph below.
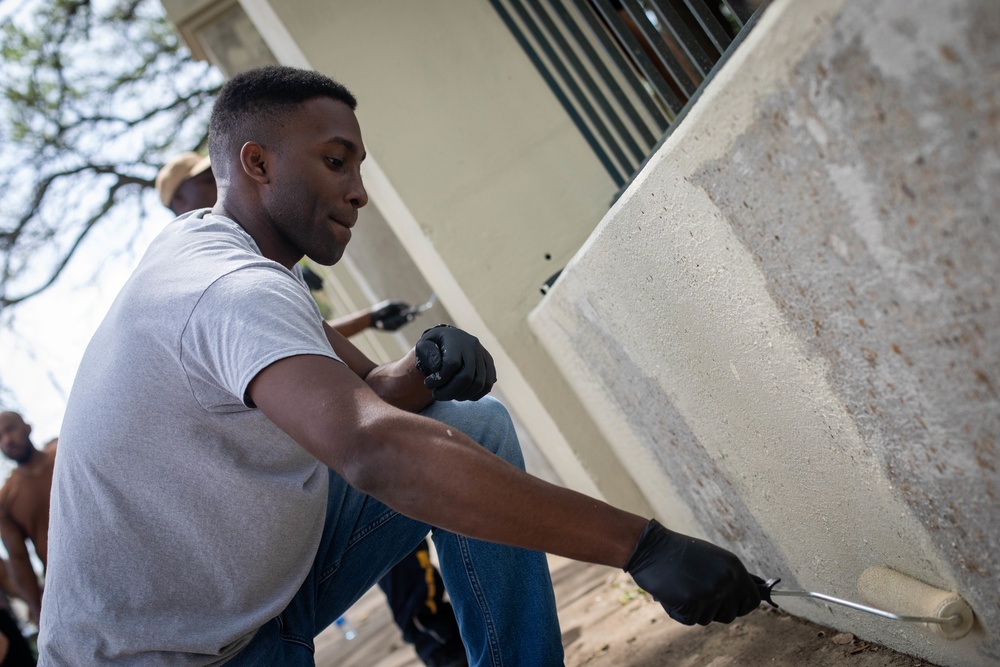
(808, 270)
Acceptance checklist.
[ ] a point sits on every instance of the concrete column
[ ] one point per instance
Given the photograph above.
(808, 270)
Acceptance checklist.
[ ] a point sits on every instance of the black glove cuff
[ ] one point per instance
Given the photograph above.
(638, 553)
(436, 326)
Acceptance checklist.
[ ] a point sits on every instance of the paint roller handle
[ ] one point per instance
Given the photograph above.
(764, 588)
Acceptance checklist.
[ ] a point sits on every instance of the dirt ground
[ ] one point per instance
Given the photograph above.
(606, 621)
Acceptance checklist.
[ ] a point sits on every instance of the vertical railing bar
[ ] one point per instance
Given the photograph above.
(571, 85)
(643, 61)
(742, 20)
(611, 49)
(737, 41)
(706, 19)
(553, 85)
(663, 53)
(612, 83)
(678, 27)
(588, 82)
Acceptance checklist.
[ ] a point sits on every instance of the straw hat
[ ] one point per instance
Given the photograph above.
(179, 169)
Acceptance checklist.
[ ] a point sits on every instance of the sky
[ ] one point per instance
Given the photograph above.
(43, 347)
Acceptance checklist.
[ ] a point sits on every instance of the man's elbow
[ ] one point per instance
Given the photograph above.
(365, 462)
(359, 475)
(17, 558)
(349, 455)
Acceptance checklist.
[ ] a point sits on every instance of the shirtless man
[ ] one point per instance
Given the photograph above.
(24, 506)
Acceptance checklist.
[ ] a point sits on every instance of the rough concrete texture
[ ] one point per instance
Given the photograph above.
(790, 321)
(883, 250)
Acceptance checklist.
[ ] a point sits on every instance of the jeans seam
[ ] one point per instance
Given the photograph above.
(496, 658)
(379, 521)
(293, 638)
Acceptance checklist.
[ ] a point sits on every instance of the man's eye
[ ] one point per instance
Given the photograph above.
(337, 163)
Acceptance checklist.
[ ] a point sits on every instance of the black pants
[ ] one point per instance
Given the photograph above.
(19, 654)
(416, 596)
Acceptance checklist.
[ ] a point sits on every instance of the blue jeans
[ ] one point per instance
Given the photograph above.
(502, 595)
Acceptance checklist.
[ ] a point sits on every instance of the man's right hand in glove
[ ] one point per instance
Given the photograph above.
(695, 581)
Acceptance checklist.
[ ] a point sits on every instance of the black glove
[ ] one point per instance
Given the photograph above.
(695, 581)
(456, 366)
(313, 280)
(390, 315)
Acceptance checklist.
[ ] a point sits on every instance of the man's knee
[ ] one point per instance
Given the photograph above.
(501, 438)
(486, 421)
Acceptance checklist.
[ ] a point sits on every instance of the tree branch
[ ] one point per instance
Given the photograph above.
(69, 66)
(6, 302)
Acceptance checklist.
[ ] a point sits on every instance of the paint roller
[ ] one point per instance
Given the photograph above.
(944, 613)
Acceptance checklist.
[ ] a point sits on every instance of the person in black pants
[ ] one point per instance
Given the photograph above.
(426, 619)
(14, 648)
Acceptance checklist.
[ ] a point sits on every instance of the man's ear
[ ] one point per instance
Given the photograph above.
(252, 158)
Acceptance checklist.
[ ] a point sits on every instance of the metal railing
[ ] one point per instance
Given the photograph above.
(625, 69)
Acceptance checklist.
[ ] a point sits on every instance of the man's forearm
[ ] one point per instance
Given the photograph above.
(26, 583)
(350, 325)
(485, 497)
(400, 384)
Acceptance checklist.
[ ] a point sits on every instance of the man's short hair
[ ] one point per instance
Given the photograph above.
(253, 104)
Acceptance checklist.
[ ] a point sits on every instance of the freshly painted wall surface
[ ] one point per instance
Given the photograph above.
(789, 327)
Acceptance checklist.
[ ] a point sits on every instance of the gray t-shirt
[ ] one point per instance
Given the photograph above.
(182, 519)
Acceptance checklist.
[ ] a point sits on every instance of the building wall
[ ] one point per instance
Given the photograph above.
(481, 175)
(808, 269)
(783, 337)
(475, 168)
